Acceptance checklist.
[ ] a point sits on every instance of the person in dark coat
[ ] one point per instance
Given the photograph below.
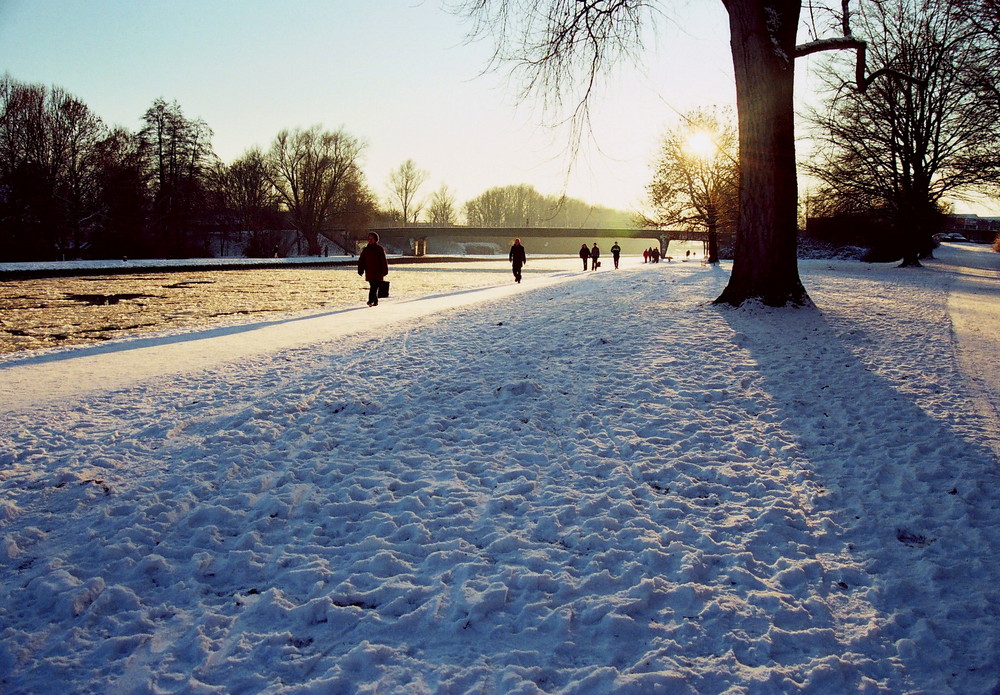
(517, 259)
(595, 254)
(373, 264)
(616, 253)
(584, 255)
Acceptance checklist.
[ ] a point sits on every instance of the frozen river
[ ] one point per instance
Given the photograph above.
(51, 312)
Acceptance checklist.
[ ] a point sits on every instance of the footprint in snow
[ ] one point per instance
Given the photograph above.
(519, 389)
(912, 539)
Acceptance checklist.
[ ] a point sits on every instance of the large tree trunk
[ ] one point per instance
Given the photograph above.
(908, 234)
(763, 44)
(312, 244)
(305, 221)
(311, 234)
(917, 223)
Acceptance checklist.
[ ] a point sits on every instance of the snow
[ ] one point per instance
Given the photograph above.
(587, 483)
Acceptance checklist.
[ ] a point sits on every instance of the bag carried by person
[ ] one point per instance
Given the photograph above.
(383, 289)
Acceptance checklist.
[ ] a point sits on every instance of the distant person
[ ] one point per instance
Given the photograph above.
(373, 264)
(656, 255)
(645, 255)
(616, 252)
(517, 259)
(584, 255)
(595, 254)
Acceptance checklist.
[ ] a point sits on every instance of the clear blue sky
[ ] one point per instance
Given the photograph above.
(396, 73)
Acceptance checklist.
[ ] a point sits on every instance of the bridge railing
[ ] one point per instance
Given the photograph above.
(415, 237)
(415, 231)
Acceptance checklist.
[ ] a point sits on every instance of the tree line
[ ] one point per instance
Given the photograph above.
(73, 187)
(511, 206)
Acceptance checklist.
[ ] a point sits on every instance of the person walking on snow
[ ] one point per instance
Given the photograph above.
(517, 259)
(616, 252)
(595, 253)
(584, 255)
(373, 264)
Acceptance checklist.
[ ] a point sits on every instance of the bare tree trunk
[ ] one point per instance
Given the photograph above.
(914, 223)
(712, 219)
(763, 45)
(312, 242)
(304, 221)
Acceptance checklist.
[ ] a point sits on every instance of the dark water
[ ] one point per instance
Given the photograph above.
(53, 312)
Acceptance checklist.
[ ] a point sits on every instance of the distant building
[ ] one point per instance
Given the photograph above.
(973, 227)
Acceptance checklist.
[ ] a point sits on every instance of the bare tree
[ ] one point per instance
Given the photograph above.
(48, 157)
(315, 172)
(403, 185)
(76, 132)
(248, 191)
(442, 207)
(250, 203)
(560, 39)
(124, 193)
(696, 179)
(180, 158)
(902, 146)
(983, 18)
(351, 215)
(519, 205)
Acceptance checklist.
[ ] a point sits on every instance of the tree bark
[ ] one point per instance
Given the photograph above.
(765, 261)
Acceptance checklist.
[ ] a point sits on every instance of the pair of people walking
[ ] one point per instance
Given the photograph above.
(591, 254)
(518, 257)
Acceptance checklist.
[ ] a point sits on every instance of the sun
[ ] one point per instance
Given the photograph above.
(701, 144)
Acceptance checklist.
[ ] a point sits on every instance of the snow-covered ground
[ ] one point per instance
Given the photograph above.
(588, 483)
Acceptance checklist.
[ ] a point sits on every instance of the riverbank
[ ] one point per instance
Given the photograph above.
(588, 483)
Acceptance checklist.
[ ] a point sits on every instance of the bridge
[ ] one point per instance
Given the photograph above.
(419, 239)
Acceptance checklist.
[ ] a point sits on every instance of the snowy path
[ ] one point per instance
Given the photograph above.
(600, 486)
(974, 307)
(64, 373)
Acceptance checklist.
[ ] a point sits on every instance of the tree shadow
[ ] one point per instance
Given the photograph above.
(903, 493)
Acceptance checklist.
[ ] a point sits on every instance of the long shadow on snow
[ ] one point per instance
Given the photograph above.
(909, 498)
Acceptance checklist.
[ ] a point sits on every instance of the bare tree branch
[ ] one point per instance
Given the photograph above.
(849, 42)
